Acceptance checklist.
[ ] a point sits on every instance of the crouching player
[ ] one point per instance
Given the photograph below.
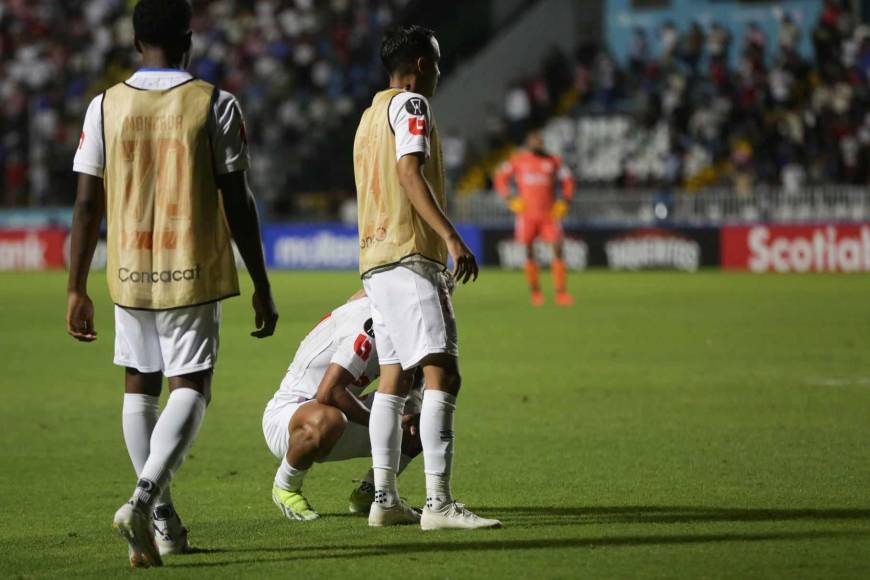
(317, 415)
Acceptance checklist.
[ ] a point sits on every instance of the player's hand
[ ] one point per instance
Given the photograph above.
(516, 204)
(411, 424)
(559, 210)
(265, 314)
(464, 264)
(80, 317)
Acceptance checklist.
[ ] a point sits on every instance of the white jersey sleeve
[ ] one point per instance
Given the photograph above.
(355, 342)
(229, 138)
(411, 121)
(89, 155)
(229, 141)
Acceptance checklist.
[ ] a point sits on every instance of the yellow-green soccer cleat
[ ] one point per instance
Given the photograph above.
(361, 498)
(293, 505)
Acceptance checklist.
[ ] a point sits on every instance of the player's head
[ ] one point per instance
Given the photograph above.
(163, 25)
(412, 50)
(535, 140)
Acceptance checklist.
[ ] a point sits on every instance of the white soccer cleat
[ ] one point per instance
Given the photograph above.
(170, 535)
(455, 516)
(135, 526)
(399, 514)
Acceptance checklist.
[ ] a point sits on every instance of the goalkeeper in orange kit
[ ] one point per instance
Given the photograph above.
(539, 210)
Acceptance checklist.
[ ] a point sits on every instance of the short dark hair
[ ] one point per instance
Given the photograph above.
(401, 46)
(163, 23)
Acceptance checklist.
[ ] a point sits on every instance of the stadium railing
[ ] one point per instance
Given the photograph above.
(711, 207)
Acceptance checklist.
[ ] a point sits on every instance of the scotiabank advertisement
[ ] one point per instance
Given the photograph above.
(31, 249)
(797, 248)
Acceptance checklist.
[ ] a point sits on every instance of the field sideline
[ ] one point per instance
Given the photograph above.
(670, 425)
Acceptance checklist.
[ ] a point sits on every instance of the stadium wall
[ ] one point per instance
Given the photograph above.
(823, 247)
(466, 98)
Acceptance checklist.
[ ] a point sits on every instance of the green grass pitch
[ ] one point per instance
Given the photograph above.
(670, 425)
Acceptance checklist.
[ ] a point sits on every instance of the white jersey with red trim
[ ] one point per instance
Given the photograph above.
(344, 337)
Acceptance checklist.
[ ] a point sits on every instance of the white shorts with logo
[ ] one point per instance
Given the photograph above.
(353, 443)
(175, 342)
(412, 314)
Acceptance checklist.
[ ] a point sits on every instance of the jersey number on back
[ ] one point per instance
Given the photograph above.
(159, 164)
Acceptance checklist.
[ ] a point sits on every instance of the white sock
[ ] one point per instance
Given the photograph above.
(138, 418)
(172, 436)
(385, 433)
(404, 460)
(436, 434)
(288, 477)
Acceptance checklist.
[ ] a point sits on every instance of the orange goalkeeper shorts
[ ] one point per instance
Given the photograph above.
(530, 228)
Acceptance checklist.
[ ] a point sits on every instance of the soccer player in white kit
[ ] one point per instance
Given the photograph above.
(405, 239)
(163, 156)
(318, 413)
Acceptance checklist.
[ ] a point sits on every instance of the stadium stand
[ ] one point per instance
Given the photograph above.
(687, 118)
(699, 112)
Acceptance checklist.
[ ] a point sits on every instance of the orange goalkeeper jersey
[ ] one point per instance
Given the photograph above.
(536, 177)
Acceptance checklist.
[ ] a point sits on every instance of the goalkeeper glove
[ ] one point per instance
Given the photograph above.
(516, 204)
(560, 208)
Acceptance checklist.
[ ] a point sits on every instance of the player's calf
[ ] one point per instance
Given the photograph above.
(314, 430)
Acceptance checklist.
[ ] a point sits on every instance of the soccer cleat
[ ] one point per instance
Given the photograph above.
(454, 516)
(564, 299)
(361, 498)
(537, 298)
(170, 535)
(399, 514)
(135, 526)
(293, 505)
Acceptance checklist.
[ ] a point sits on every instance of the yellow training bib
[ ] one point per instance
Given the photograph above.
(389, 227)
(168, 240)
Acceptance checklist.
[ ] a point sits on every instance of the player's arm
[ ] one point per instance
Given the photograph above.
(502, 179)
(244, 222)
(333, 391)
(566, 186)
(502, 183)
(418, 192)
(410, 121)
(230, 153)
(88, 213)
(566, 181)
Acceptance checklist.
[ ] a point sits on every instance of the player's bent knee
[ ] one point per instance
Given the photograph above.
(327, 425)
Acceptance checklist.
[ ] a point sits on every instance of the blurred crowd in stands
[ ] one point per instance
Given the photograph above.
(764, 115)
(302, 69)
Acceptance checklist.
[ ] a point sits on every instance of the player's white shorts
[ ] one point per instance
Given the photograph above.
(175, 342)
(353, 443)
(412, 314)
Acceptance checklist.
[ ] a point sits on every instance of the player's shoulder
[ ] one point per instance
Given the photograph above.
(353, 317)
(225, 99)
(355, 309)
(96, 102)
(411, 103)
